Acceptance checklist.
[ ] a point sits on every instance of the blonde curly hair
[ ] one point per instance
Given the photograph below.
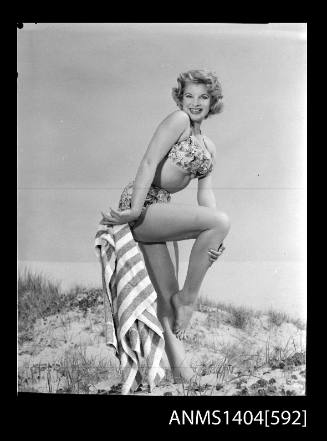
(200, 76)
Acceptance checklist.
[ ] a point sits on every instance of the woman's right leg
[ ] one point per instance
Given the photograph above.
(167, 222)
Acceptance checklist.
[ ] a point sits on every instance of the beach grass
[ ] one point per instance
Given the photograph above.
(77, 372)
(37, 297)
(241, 316)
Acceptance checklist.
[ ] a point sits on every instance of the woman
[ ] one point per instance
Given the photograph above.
(177, 153)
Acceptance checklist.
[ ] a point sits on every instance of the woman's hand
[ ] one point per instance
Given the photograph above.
(214, 254)
(117, 217)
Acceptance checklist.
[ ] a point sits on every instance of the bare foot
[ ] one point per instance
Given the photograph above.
(178, 360)
(183, 314)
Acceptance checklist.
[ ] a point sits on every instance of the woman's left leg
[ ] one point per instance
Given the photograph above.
(162, 275)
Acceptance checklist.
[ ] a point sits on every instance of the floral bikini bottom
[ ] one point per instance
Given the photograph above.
(155, 195)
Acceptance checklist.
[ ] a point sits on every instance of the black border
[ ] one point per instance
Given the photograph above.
(141, 414)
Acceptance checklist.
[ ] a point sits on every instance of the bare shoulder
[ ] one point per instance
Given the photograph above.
(178, 118)
(177, 123)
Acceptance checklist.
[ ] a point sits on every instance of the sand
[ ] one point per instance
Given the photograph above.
(66, 353)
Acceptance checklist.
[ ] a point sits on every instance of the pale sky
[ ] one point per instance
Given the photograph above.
(90, 97)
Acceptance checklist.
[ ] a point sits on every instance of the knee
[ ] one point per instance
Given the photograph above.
(222, 221)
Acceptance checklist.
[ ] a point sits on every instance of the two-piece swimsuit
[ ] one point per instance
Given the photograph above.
(187, 154)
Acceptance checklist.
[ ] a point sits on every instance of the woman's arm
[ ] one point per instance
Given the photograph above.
(168, 132)
(207, 198)
(205, 194)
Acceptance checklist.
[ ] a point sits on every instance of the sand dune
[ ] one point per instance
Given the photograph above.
(232, 352)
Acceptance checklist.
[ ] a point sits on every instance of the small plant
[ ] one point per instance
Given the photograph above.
(86, 298)
(37, 298)
(277, 318)
(286, 357)
(240, 317)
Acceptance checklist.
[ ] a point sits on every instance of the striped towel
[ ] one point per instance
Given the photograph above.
(132, 326)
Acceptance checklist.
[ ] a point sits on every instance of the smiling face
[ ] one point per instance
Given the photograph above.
(196, 101)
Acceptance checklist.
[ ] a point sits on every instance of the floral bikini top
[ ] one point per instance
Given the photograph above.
(192, 157)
